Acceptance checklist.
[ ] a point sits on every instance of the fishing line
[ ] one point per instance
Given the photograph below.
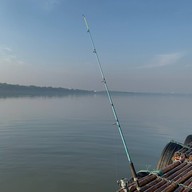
(132, 168)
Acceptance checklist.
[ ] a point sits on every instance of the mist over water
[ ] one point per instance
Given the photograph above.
(70, 143)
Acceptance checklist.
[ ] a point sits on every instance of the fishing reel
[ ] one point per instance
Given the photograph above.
(123, 184)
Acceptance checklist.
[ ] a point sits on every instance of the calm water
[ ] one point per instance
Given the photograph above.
(70, 143)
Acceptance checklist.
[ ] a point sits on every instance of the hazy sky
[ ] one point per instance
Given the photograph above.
(144, 45)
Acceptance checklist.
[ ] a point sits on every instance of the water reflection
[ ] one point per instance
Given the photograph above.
(70, 143)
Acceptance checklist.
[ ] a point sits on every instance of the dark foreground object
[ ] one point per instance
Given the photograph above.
(173, 174)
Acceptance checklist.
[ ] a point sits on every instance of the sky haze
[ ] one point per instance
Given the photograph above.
(143, 46)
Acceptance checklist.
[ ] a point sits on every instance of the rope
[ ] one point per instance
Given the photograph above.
(159, 174)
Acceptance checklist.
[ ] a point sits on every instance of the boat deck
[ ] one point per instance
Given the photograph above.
(175, 177)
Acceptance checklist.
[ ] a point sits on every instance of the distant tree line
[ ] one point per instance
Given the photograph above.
(10, 90)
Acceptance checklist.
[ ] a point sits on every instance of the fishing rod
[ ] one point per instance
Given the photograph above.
(132, 168)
